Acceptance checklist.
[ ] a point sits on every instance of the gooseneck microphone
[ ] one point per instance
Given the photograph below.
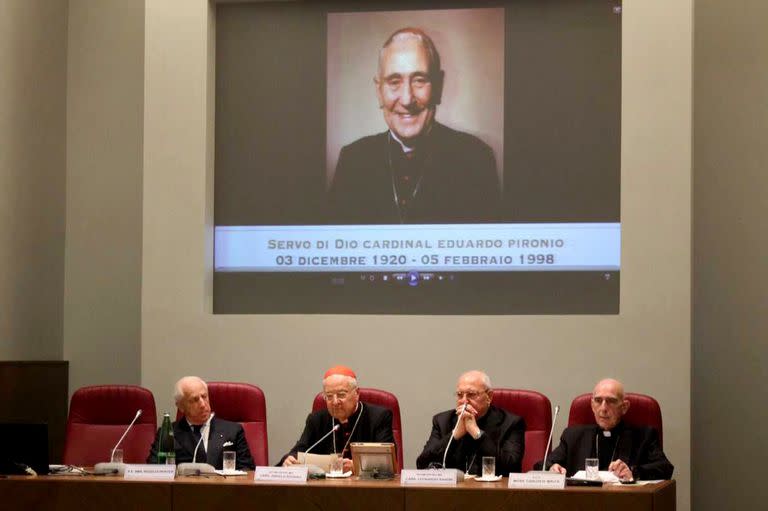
(453, 432)
(549, 442)
(194, 468)
(333, 430)
(138, 414)
(116, 468)
(314, 470)
(194, 454)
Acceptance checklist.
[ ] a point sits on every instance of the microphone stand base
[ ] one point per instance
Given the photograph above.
(194, 469)
(109, 468)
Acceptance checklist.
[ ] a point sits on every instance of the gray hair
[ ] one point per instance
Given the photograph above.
(351, 381)
(619, 387)
(486, 381)
(178, 389)
(419, 35)
(483, 376)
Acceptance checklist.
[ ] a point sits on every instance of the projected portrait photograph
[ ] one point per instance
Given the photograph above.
(415, 116)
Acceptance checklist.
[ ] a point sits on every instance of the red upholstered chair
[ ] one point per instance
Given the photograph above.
(379, 398)
(536, 409)
(98, 417)
(243, 403)
(643, 411)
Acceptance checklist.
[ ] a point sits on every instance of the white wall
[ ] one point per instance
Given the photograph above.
(418, 358)
(102, 293)
(33, 63)
(730, 353)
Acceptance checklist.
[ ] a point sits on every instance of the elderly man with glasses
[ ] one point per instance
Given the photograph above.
(357, 421)
(629, 452)
(478, 429)
(418, 171)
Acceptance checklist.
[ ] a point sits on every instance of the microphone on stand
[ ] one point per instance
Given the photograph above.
(314, 470)
(549, 441)
(194, 468)
(459, 473)
(116, 468)
(194, 454)
(445, 455)
(333, 429)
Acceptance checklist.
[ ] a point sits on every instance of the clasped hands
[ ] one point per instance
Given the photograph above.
(467, 423)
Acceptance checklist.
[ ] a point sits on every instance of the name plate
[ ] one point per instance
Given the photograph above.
(161, 472)
(440, 477)
(295, 474)
(539, 480)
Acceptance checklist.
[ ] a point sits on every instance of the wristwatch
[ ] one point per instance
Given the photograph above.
(480, 434)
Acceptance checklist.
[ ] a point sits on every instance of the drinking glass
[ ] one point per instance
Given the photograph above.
(229, 461)
(337, 466)
(489, 467)
(591, 467)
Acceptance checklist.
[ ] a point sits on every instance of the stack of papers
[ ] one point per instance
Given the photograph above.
(604, 476)
(231, 472)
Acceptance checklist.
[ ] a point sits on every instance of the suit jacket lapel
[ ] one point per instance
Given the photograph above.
(590, 447)
(361, 426)
(624, 446)
(492, 421)
(214, 444)
(184, 437)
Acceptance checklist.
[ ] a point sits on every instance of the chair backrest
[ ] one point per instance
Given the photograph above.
(98, 416)
(243, 403)
(643, 411)
(379, 398)
(536, 409)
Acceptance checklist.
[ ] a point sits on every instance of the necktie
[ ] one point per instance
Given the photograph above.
(197, 435)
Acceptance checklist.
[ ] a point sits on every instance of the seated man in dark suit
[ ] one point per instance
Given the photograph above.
(418, 171)
(628, 452)
(218, 435)
(359, 422)
(483, 430)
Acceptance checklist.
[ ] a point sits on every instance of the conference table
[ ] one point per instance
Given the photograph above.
(112, 493)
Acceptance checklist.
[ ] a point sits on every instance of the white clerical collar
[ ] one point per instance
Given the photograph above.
(405, 148)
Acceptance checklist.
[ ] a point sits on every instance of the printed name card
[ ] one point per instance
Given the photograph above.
(295, 474)
(538, 480)
(160, 472)
(442, 476)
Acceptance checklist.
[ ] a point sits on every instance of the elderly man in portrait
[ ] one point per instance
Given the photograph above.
(629, 452)
(358, 421)
(200, 429)
(478, 429)
(418, 171)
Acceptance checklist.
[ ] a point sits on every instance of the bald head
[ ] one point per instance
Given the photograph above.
(614, 386)
(417, 36)
(608, 403)
(409, 84)
(477, 376)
